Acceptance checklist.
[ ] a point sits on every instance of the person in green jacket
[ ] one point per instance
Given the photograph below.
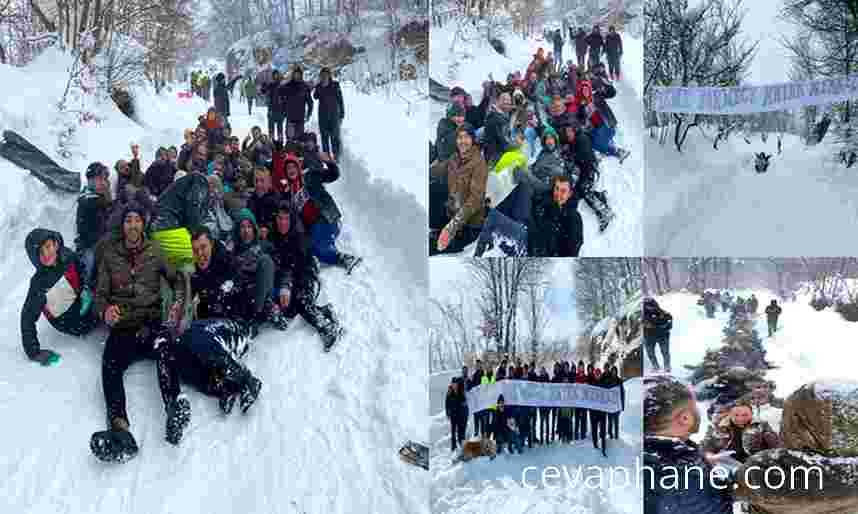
(488, 415)
(249, 89)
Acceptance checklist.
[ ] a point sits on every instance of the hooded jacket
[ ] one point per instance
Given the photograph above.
(54, 291)
(293, 257)
(247, 255)
(307, 191)
(208, 284)
(159, 176)
(184, 204)
(496, 139)
(656, 321)
(92, 211)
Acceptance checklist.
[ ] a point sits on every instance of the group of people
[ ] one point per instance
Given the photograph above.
(590, 47)
(185, 262)
(201, 84)
(537, 135)
(514, 425)
(711, 299)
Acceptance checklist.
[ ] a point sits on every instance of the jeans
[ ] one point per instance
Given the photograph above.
(614, 425)
(457, 432)
(614, 65)
(664, 346)
(558, 57)
(330, 137)
(324, 236)
(294, 129)
(513, 235)
(773, 326)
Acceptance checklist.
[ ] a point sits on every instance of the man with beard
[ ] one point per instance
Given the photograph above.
(670, 418)
(556, 228)
(297, 96)
(128, 299)
(496, 133)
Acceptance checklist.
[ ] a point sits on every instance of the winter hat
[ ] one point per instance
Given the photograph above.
(136, 208)
(500, 399)
(455, 110)
(457, 91)
(549, 132)
(96, 169)
(308, 137)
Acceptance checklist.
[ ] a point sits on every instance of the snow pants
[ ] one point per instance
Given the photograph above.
(773, 326)
(663, 346)
(207, 355)
(302, 301)
(123, 348)
(330, 134)
(324, 237)
(603, 140)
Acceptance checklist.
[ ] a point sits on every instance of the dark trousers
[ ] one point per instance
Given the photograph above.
(581, 423)
(614, 425)
(249, 105)
(664, 346)
(581, 56)
(123, 348)
(275, 126)
(330, 134)
(294, 129)
(773, 326)
(613, 65)
(458, 427)
(512, 235)
(545, 424)
(555, 411)
(597, 422)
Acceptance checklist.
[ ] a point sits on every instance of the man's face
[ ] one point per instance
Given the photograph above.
(741, 416)
(458, 100)
(246, 231)
(283, 222)
(100, 183)
(692, 417)
(262, 183)
(464, 142)
(256, 132)
(48, 253)
(562, 192)
(458, 120)
(123, 169)
(202, 151)
(202, 252)
(325, 78)
(291, 170)
(132, 228)
(505, 102)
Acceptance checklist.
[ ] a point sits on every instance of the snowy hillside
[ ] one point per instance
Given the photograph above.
(323, 437)
(470, 62)
(809, 345)
(496, 486)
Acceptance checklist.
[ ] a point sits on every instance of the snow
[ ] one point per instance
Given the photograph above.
(323, 436)
(457, 66)
(512, 484)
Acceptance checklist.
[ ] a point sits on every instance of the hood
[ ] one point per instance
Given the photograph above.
(34, 241)
(245, 214)
(298, 182)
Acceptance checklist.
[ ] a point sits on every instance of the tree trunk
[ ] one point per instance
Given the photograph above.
(48, 25)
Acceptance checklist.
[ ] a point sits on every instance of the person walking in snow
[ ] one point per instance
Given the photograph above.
(558, 49)
(275, 97)
(614, 418)
(222, 91)
(456, 407)
(657, 324)
(298, 103)
(753, 304)
(773, 311)
(332, 111)
(581, 47)
(249, 90)
(56, 291)
(595, 44)
(614, 51)
(128, 299)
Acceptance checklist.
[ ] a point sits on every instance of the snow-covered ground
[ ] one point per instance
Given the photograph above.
(712, 202)
(494, 486)
(323, 437)
(469, 63)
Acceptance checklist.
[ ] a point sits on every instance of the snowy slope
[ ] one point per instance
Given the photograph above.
(323, 437)
(498, 486)
(469, 63)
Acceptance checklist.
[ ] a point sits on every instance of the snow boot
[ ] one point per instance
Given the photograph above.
(623, 154)
(115, 444)
(275, 316)
(178, 417)
(226, 402)
(330, 330)
(348, 262)
(249, 393)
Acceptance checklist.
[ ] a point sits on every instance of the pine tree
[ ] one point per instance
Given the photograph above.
(731, 371)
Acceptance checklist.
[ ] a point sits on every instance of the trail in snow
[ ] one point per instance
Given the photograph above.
(501, 485)
(323, 436)
(469, 63)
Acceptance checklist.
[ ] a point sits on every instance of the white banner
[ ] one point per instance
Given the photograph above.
(751, 99)
(544, 394)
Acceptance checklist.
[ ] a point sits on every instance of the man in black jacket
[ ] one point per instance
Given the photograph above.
(579, 153)
(556, 228)
(657, 324)
(595, 42)
(456, 408)
(557, 38)
(496, 133)
(298, 104)
(297, 277)
(500, 428)
(332, 110)
(773, 311)
(221, 91)
(93, 209)
(581, 47)
(670, 417)
(160, 173)
(614, 50)
(273, 91)
(55, 291)
(213, 282)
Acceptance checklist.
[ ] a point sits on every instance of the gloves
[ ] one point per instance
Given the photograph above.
(46, 357)
(85, 301)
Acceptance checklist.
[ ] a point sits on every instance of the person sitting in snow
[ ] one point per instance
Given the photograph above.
(297, 277)
(583, 168)
(464, 177)
(445, 140)
(56, 291)
(556, 228)
(740, 434)
(315, 205)
(93, 208)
